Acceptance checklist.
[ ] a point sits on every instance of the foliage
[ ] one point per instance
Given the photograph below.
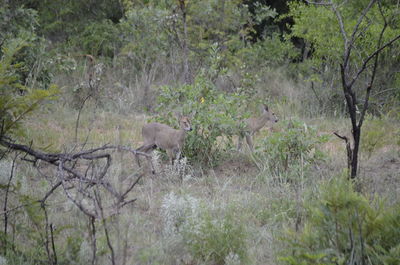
(99, 38)
(13, 21)
(21, 23)
(208, 238)
(214, 115)
(144, 36)
(328, 43)
(269, 52)
(16, 100)
(291, 150)
(344, 227)
(216, 240)
(325, 48)
(61, 20)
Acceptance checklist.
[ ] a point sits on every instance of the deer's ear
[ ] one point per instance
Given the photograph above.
(178, 115)
(266, 107)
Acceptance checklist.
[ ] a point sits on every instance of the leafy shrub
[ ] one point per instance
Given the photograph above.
(144, 36)
(32, 58)
(271, 51)
(344, 227)
(99, 39)
(282, 153)
(16, 100)
(216, 240)
(208, 238)
(213, 115)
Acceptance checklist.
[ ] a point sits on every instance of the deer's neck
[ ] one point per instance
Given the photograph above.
(181, 134)
(263, 119)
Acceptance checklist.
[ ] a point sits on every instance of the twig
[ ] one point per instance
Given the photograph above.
(93, 236)
(46, 230)
(5, 204)
(349, 150)
(98, 199)
(70, 177)
(58, 184)
(53, 245)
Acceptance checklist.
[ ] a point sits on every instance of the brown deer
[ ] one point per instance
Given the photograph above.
(253, 125)
(166, 138)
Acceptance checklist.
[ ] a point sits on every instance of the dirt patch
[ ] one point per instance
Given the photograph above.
(381, 172)
(237, 165)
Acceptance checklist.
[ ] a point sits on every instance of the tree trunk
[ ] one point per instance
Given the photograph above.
(354, 159)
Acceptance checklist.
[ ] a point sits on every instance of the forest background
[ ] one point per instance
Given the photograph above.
(78, 79)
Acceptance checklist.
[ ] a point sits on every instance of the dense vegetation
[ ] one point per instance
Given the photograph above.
(78, 79)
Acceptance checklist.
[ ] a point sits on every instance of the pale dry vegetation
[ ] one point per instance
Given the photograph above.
(237, 195)
(80, 79)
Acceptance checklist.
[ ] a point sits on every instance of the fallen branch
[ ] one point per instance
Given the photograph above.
(78, 183)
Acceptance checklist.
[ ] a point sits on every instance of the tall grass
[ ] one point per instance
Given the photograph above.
(233, 214)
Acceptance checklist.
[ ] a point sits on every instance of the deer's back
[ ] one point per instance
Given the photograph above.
(162, 135)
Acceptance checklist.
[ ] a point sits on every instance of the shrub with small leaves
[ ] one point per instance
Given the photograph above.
(213, 114)
(290, 151)
(17, 100)
(205, 236)
(216, 240)
(341, 226)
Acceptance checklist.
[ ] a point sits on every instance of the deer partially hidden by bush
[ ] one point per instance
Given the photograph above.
(253, 125)
(166, 138)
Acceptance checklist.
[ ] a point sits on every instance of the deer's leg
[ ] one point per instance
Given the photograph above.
(171, 156)
(178, 155)
(249, 141)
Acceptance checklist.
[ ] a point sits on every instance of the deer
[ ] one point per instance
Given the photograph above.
(253, 125)
(166, 138)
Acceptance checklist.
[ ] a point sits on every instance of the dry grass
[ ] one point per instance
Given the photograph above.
(236, 185)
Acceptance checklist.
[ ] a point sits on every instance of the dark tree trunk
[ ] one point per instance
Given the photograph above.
(354, 158)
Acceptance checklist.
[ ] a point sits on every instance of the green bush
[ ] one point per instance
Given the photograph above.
(207, 236)
(17, 100)
(214, 115)
(99, 38)
(342, 226)
(216, 240)
(290, 151)
(271, 51)
(34, 63)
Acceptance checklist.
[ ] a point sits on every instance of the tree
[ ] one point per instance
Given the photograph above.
(355, 34)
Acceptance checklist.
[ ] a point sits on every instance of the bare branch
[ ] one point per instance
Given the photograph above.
(360, 19)
(342, 30)
(58, 184)
(131, 186)
(6, 201)
(369, 58)
(349, 150)
(103, 219)
(80, 183)
(369, 87)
